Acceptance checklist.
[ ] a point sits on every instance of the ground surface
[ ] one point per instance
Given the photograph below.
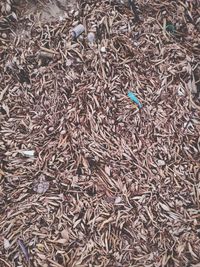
(108, 184)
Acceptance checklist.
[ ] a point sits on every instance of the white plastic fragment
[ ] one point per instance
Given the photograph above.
(103, 49)
(161, 162)
(41, 187)
(68, 62)
(91, 37)
(118, 200)
(6, 243)
(28, 153)
(78, 30)
(14, 15)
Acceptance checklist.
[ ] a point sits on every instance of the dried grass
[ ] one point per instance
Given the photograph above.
(121, 185)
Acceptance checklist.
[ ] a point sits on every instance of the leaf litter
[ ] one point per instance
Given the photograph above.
(107, 184)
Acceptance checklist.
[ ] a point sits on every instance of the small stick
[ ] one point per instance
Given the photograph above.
(5, 262)
(48, 50)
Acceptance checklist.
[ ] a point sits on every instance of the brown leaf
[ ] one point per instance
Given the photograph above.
(107, 170)
(62, 241)
(65, 234)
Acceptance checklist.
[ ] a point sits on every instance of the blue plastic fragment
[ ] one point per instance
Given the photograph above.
(134, 99)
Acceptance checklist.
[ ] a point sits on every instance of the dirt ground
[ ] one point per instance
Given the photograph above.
(88, 176)
(47, 10)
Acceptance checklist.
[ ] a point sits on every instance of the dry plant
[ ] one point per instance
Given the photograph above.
(87, 179)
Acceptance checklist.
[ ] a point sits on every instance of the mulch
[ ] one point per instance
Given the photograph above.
(87, 178)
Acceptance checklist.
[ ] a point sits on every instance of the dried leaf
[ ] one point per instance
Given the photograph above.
(2, 93)
(41, 256)
(107, 170)
(6, 108)
(164, 207)
(180, 248)
(65, 234)
(191, 251)
(192, 86)
(61, 241)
